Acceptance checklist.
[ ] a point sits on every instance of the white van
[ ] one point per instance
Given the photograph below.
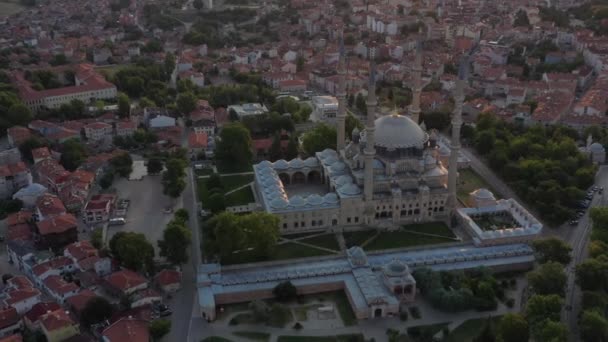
(117, 221)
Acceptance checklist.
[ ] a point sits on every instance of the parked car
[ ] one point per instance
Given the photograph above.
(117, 221)
(166, 313)
(573, 222)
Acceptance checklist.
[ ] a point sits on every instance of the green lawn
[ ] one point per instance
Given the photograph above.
(225, 168)
(203, 172)
(436, 228)
(233, 182)
(327, 241)
(253, 335)
(358, 238)
(398, 239)
(468, 330)
(292, 250)
(339, 338)
(299, 235)
(469, 181)
(215, 339)
(240, 197)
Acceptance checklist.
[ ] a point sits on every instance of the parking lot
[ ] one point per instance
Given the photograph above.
(146, 211)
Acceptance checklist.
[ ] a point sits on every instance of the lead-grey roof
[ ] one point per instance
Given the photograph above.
(398, 131)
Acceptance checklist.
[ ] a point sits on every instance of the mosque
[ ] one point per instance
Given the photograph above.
(389, 173)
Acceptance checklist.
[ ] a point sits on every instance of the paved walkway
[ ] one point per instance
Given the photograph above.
(227, 174)
(239, 188)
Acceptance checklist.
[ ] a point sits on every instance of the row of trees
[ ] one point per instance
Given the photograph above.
(542, 164)
(173, 179)
(459, 291)
(176, 238)
(228, 235)
(14, 111)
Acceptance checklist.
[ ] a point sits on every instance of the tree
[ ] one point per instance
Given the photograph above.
(262, 231)
(521, 19)
(214, 182)
(186, 103)
(31, 144)
(592, 274)
(198, 4)
(542, 307)
(96, 238)
(181, 215)
(155, 166)
(284, 291)
(122, 164)
(73, 154)
(96, 310)
(487, 334)
(234, 147)
(132, 250)
(319, 138)
(552, 250)
(19, 114)
(169, 63)
(107, 179)
(59, 59)
(275, 152)
(360, 104)
(593, 326)
(159, 328)
(598, 248)
(173, 178)
(217, 203)
(173, 246)
(292, 148)
(548, 278)
(300, 63)
(513, 328)
(124, 105)
(485, 142)
(261, 310)
(550, 330)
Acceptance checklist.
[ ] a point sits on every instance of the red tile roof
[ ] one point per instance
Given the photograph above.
(12, 338)
(97, 125)
(40, 309)
(20, 282)
(41, 153)
(17, 296)
(19, 232)
(79, 301)
(127, 329)
(197, 140)
(55, 263)
(8, 317)
(125, 280)
(58, 224)
(55, 320)
(81, 250)
(168, 277)
(19, 134)
(50, 205)
(13, 169)
(58, 285)
(19, 217)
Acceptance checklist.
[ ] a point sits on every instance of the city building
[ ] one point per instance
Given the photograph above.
(98, 131)
(127, 329)
(58, 326)
(248, 109)
(89, 86)
(12, 178)
(324, 108)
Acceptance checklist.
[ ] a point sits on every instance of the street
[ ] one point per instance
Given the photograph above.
(579, 240)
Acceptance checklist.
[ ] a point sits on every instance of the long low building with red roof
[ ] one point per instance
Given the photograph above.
(89, 86)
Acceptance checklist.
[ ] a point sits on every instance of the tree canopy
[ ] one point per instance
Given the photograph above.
(73, 153)
(548, 278)
(175, 241)
(96, 310)
(234, 146)
(319, 138)
(133, 250)
(513, 328)
(552, 249)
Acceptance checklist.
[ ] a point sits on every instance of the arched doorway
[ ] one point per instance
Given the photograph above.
(284, 178)
(314, 177)
(378, 313)
(299, 178)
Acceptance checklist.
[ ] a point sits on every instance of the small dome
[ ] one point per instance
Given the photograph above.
(265, 164)
(327, 153)
(281, 164)
(279, 203)
(444, 150)
(597, 148)
(396, 268)
(344, 179)
(330, 198)
(349, 189)
(337, 166)
(297, 201)
(430, 160)
(330, 160)
(311, 162)
(357, 256)
(378, 164)
(484, 194)
(296, 163)
(314, 199)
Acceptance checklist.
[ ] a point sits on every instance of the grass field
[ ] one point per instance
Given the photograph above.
(292, 250)
(327, 241)
(436, 228)
(358, 238)
(10, 7)
(469, 181)
(253, 335)
(339, 338)
(240, 197)
(339, 299)
(224, 168)
(468, 330)
(399, 239)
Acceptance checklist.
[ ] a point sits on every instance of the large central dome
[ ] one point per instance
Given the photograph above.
(398, 131)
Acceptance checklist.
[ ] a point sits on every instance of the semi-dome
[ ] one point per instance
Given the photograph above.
(281, 164)
(296, 163)
(311, 162)
(297, 201)
(396, 268)
(330, 198)
(484, 194)
(349, 189)
(344, 179)
(398, 131)
(279, 203)
(314, 199)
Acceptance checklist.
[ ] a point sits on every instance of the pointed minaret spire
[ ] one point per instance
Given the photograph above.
(370, 127)
(414, 109)
(341, 95)
(463, 71)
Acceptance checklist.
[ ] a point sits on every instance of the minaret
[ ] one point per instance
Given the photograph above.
(463, 70)
(341, 116)
(414, 109)
(370, 128)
